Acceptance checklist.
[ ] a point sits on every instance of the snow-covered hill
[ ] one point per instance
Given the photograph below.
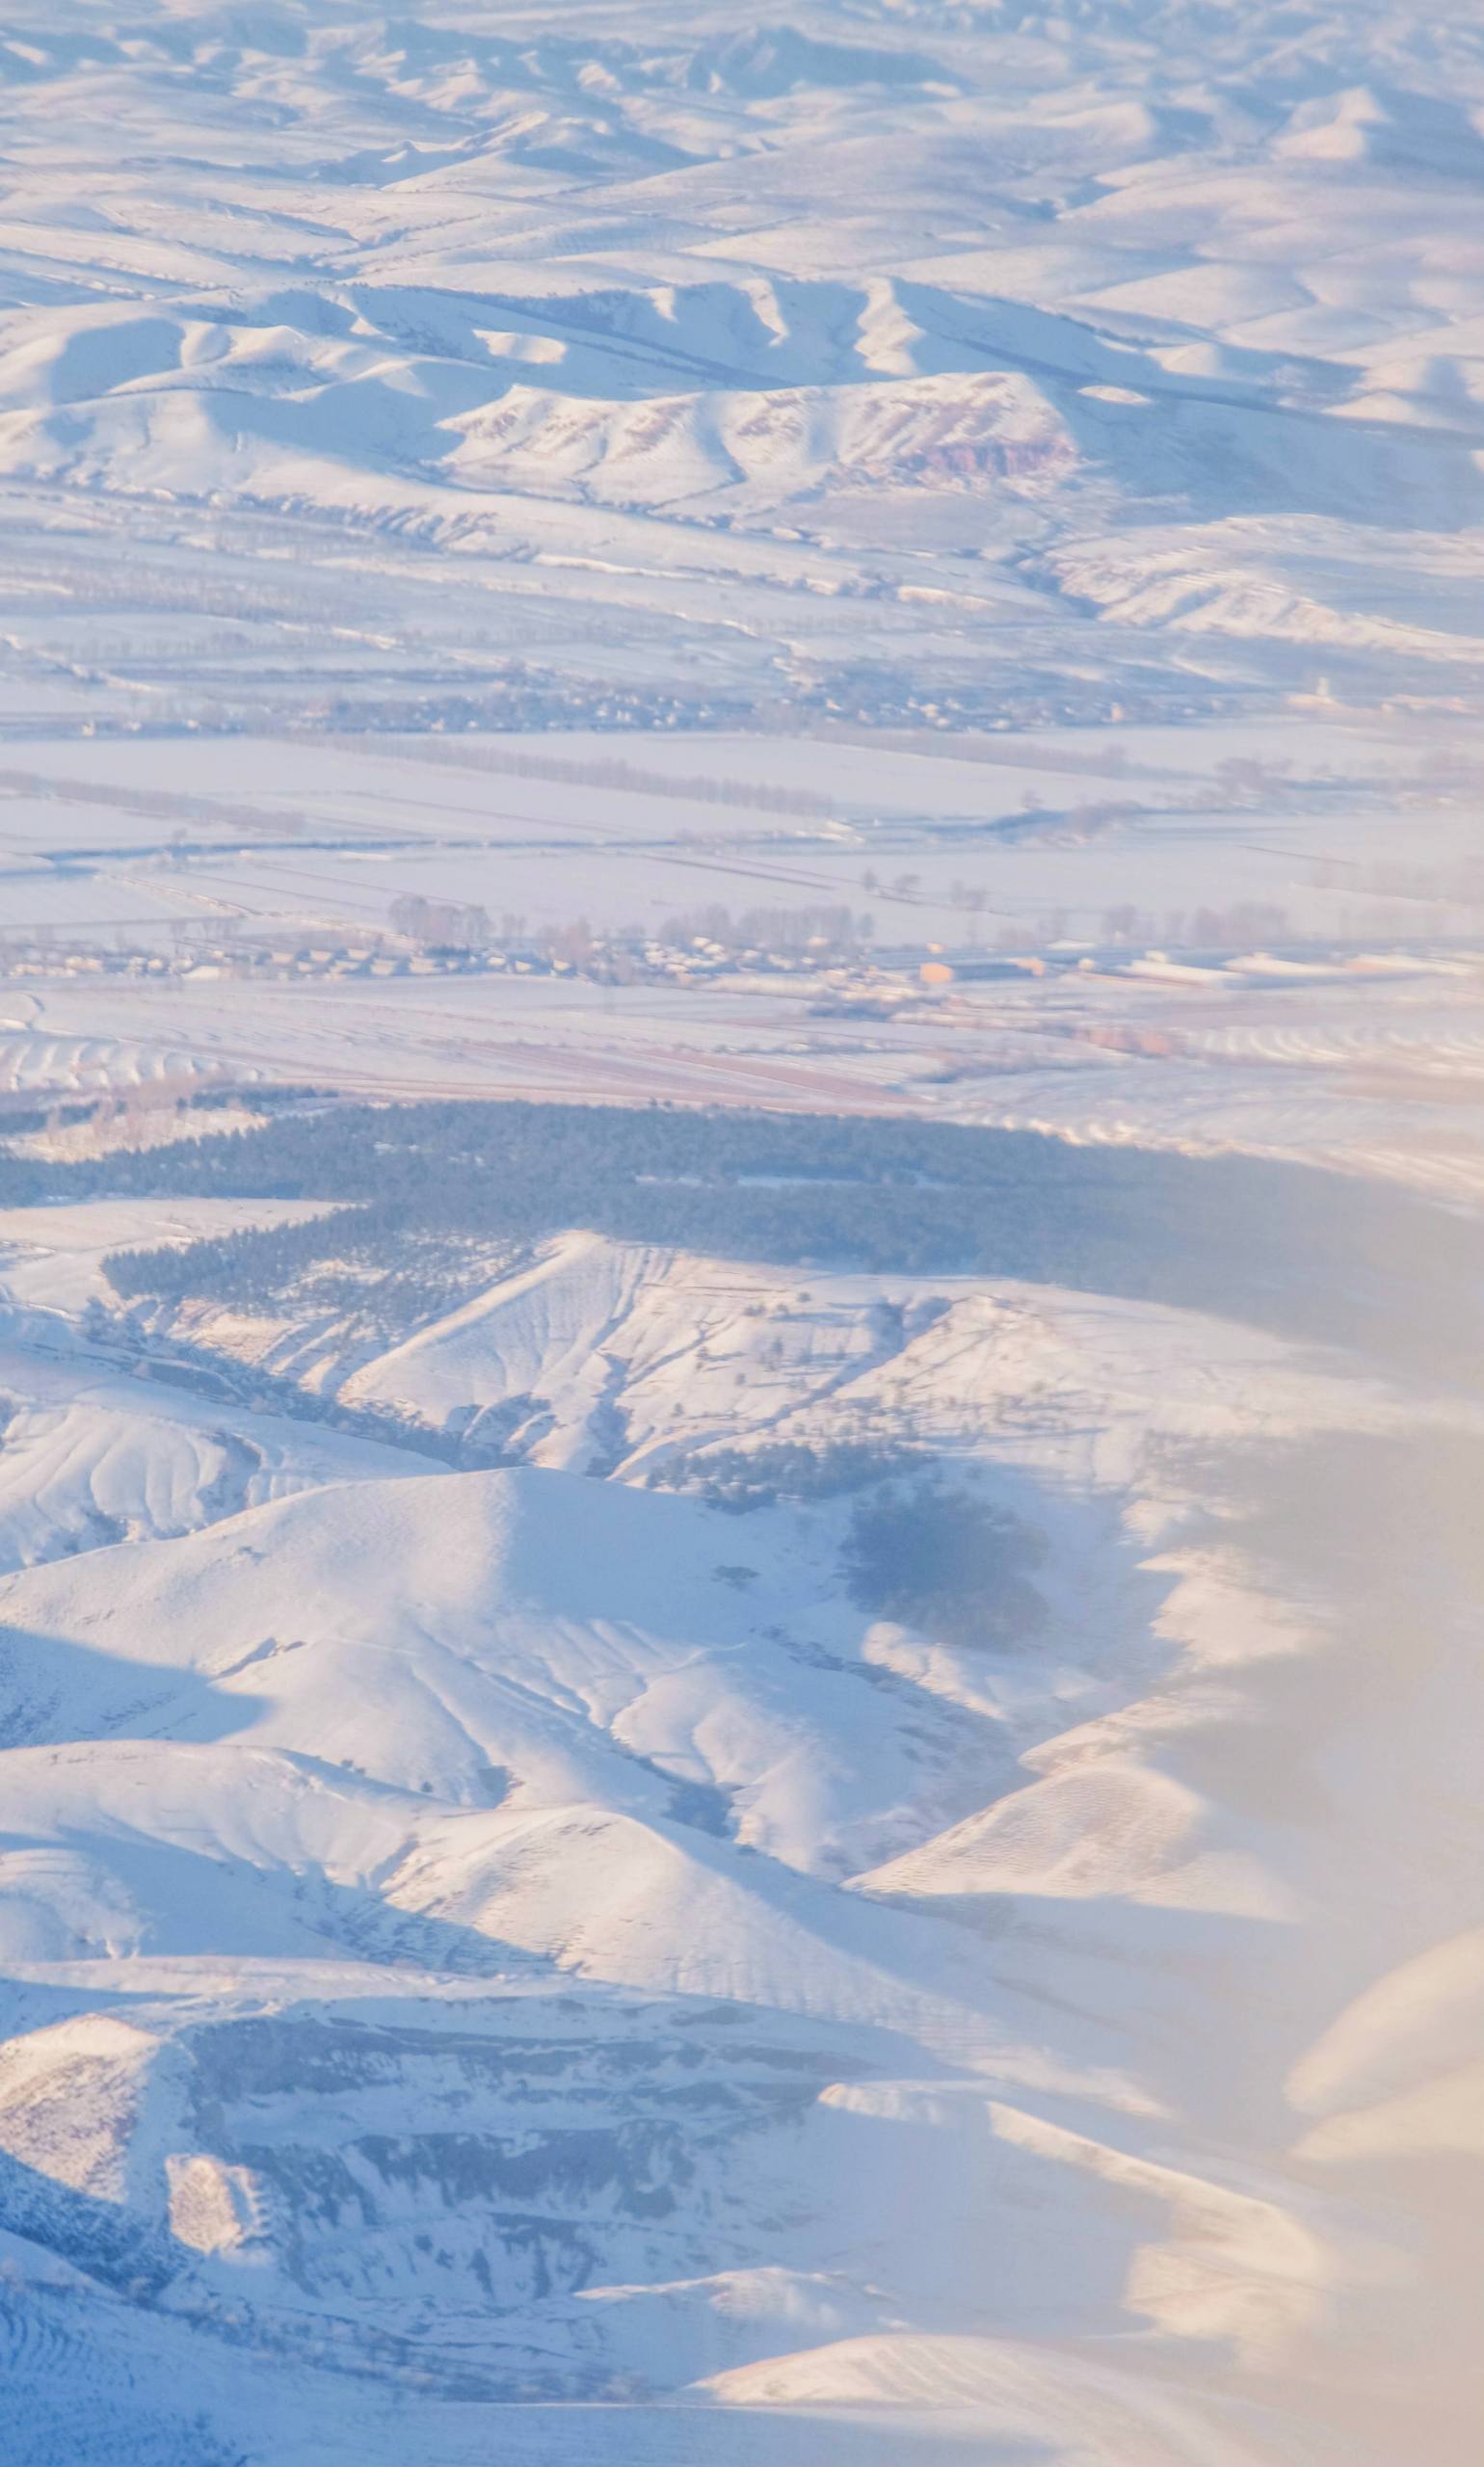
(941, 293)
(485, 1947)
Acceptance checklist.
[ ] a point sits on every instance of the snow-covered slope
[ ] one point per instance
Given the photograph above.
(528, 1937)
(525, 1633)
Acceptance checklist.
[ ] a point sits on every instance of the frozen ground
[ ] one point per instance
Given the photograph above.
(525, 1963)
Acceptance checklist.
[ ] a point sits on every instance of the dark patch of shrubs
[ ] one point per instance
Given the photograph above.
(946, 1562)
(739, 1479)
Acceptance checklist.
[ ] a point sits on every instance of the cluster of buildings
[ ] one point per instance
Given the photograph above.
(606, 960)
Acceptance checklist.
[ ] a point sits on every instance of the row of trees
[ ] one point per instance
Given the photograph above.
(605, 771)
(831, 924)
(440, 924)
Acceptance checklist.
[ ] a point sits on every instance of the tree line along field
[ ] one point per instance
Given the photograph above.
(410, 1188)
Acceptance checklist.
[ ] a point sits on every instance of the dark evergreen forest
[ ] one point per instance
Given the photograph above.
(410, 1188)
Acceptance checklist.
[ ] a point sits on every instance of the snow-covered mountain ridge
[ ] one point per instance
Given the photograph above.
(960, 299)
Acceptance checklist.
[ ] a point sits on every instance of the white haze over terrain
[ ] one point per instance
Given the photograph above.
(518, 1965)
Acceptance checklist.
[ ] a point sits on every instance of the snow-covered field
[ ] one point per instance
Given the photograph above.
(1376, 1067)
(536, 1963)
